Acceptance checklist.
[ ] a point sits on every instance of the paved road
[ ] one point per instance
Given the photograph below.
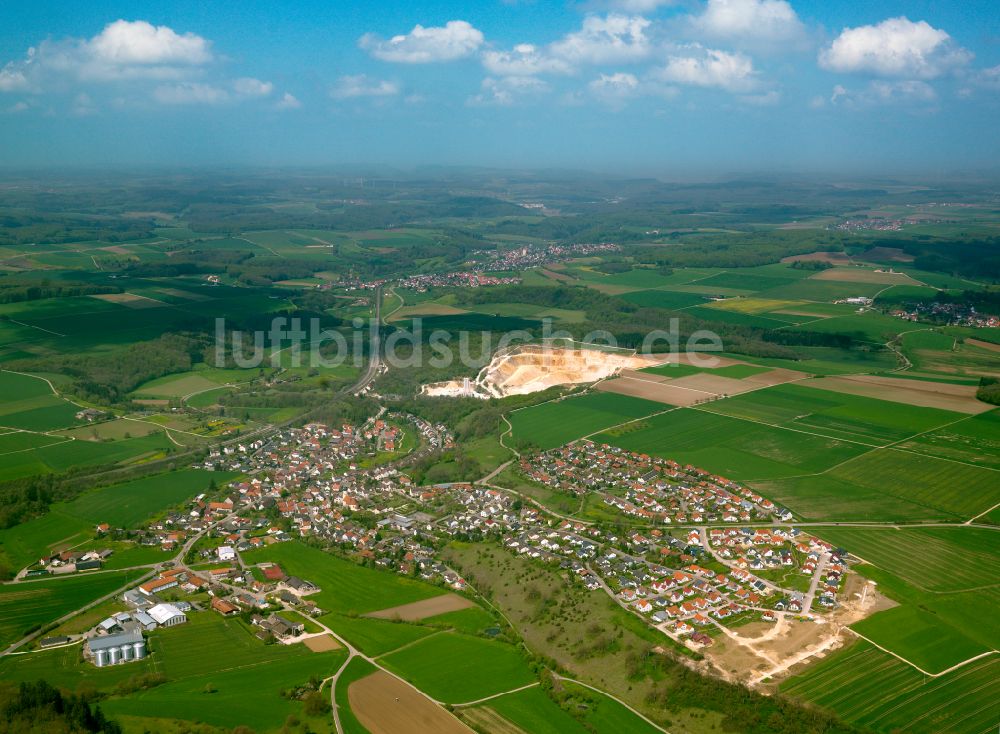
(814, 584)
(375, 358)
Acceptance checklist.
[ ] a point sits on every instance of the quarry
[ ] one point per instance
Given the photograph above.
(532, 368)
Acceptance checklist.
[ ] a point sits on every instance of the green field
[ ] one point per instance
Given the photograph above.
(807, 406)
(738, 449)
(921, 637)
(375, 636)
(455, 668)
(207, 651)
(128, 504)
(945, 580)
(560, 421)
(975, 440)
(30, 603)
(870, 688)
(27, 542)
(935, 560)
(533, 711)
(346, 587)
(950, 488)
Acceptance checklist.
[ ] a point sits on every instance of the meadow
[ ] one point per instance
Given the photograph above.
(870, 688)
(557, 422)
(346, 587)
(456, 668)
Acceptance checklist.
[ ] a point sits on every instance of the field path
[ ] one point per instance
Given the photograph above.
(613, 698)
(917, 667)
(484, 699)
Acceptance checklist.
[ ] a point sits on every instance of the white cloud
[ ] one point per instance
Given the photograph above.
(896, 47)
(640, 6)
(359, 85)
(706, 67)
(614, 89)
(122, 51)
(288, 101)
(912, 93)
(12, 79)
(612, 39)
(455, 40)
(508, 90)
(186, 93)
(21, 106)
(751, 23)
(83, 105)
(765, 99)
(524, 60)
(250, 87)
(138, 42)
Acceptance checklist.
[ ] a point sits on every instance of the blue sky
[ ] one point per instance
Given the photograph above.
(630, 86)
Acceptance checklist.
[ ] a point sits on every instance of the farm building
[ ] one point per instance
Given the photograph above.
(167, 615)
(157, 585)
(115, 649)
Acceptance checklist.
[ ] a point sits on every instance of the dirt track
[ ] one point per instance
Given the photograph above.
(386, 705)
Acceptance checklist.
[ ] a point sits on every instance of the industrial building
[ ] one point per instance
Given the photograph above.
(167, 615)
(116, 649)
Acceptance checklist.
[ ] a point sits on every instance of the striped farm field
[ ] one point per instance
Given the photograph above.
(868, 687)
(560, 421)
(930, 559)
(738, 449)
(953, 488)
(808, 407)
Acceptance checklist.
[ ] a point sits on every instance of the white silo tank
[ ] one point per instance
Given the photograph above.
(126, 652)
(139, 650)
(114, 655)
(101, 658)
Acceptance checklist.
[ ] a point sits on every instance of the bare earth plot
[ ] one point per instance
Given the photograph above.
(486, 719)
(864, 276)
(989, 346)
(321, 643)
(836, 258)
(386, 705)
(131, 300)
(959, 398)
(692, 389)
(418, 610)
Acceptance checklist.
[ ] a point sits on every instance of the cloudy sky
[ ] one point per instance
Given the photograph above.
(646, 86)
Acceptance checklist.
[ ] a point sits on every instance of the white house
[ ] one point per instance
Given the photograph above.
(226, 553)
